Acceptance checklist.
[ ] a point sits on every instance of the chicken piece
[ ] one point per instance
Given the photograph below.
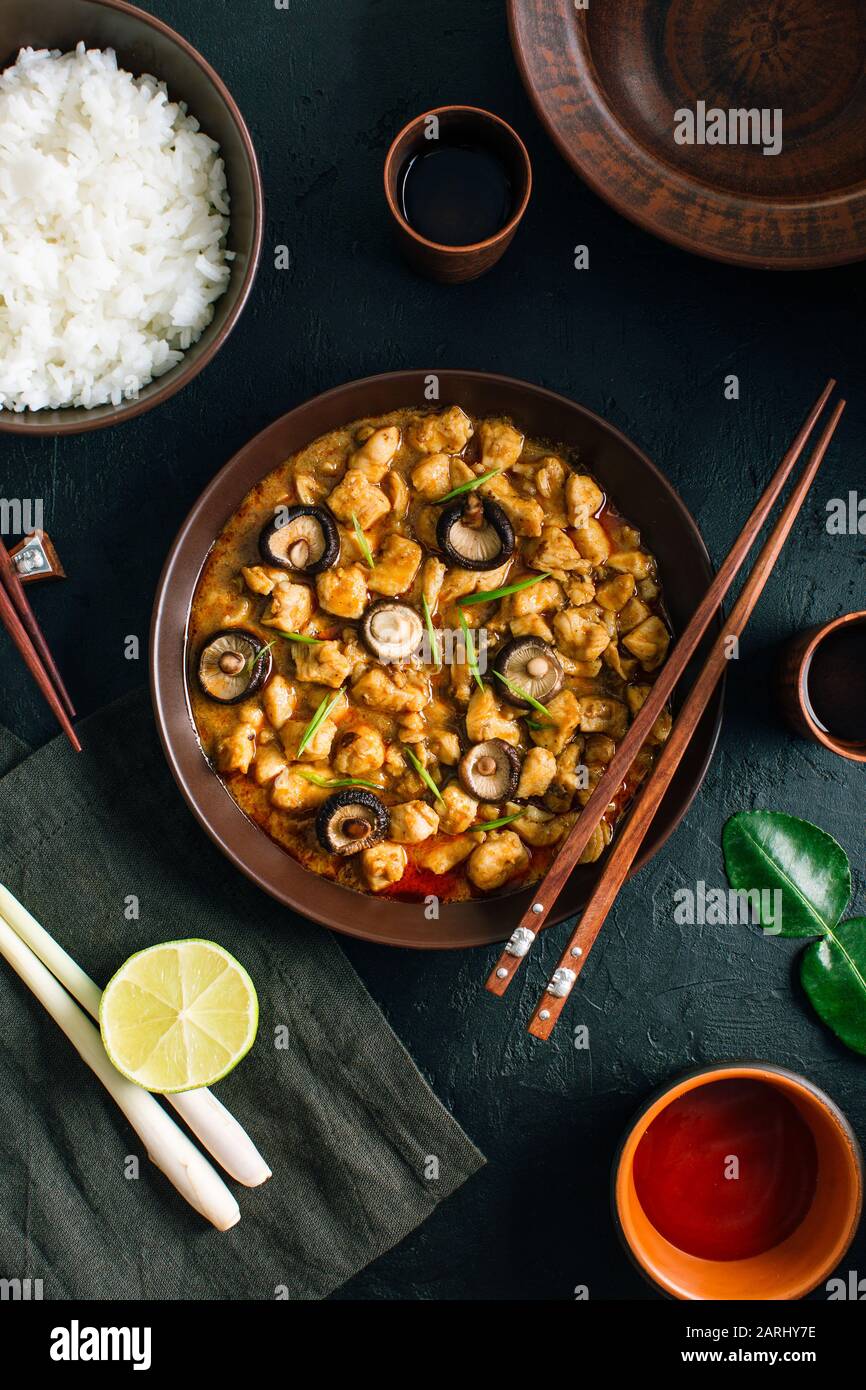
(236, 750)
(592, 542)
(309, 489)
(648, 590)
(442, 856)
(543, 597)
(579, 635)
(396, 566)
(649, 642)
(501, 444)
(447, 433)
(583, 498)
(537, 773)
(250, 712)
(431, 478)
(257, 578)
(636, 696)
(526, 516)
(343, 590)
(445, 746)
(373, 459)
(268, 764)
(290, 608)
(632, 614)
(356, 497)
(279, 699)
(554, 551)
(432, 576)
(424, 522)
(599, 750)
(601, 838)
(325, 664)
(412, 822)
(536, 827)
(634, 562)
(462, 683)
(564, 712)
(319, 746)
(358, 751)
(457, 810)
(614, 594)
(383, 865)
(533, 625)
(501, 857)
(457, 583)
(572, 777)
(484, 719)
(580, 590)
(598, 714)
(550, 483)
(622, 666)
(290, 791)
(394, 691)
(397, 493)
(460, 472)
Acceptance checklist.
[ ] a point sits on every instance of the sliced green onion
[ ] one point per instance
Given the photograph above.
(468, 486)
(318, 781)
(471, 658)
(435, 649)
(488, 595)
(495, 824)
(318, 718)
(523, 695)
(534, 724)
(298, 637)
(422, 772)
(363, 543)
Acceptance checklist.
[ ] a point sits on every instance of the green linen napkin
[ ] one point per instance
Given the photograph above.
(340, 1112)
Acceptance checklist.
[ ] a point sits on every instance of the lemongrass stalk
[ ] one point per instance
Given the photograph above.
(207, 1117)
(166, 1145)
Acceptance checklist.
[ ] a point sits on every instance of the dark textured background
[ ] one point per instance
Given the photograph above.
(645, 337)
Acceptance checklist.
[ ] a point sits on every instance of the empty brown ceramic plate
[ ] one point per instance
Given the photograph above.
(608, 81)
(650, 502)
(144, 44)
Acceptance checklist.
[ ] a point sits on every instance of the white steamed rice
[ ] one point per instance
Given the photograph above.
(113, 219)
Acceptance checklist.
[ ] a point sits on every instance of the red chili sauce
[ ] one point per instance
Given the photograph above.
(685, 1164)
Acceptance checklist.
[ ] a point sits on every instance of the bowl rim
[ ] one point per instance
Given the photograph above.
(603, 132)
(710, 1071)
(391, 175)
(331, 904)
(23, 422)
(853, 752)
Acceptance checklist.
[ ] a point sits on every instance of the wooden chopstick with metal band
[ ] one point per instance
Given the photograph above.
(548, 890)
(12, 580)
(629, 841)
(18, 633)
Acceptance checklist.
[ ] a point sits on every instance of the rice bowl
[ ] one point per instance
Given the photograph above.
(114, 214)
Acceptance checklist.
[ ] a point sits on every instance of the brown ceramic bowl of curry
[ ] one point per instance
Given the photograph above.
(397, 642)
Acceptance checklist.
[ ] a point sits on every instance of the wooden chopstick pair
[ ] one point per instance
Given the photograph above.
(627, 844)
(20, 623)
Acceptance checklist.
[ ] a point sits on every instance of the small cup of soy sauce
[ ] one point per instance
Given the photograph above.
(457, 181)
(822, 685)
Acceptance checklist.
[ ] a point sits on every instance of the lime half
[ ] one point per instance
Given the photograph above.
(178, 1016)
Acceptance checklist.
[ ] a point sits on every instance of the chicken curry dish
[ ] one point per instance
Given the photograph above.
(414, 649)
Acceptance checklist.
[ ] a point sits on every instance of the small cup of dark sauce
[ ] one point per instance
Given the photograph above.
(822, 684)
(457, 181)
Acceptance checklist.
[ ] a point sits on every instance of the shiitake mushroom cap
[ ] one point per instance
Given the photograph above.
(340, 820)
(312, 528)
(513, 662)
(498, 785)
(392, 631)
(483, 546)
(215, 676)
